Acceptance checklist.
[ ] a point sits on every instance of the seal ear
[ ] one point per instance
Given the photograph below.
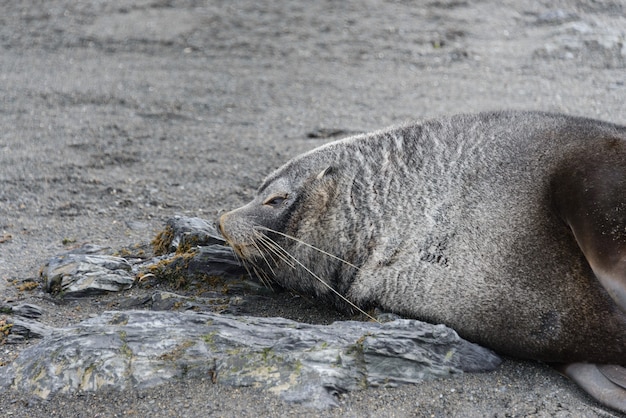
(325, 172)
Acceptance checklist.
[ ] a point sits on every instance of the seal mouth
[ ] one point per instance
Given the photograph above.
(244, 245)
(241, 250)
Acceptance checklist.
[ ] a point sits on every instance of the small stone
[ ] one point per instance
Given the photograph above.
(27, 310)
(191, 232)
(82, 273)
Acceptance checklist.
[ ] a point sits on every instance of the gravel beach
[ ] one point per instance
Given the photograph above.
(116, 116)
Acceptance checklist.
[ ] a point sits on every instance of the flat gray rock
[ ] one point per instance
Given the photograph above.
(23, 329)
(79, 274)
(25, 310)
(302, 363)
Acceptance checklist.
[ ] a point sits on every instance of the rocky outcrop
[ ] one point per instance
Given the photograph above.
(304, 363)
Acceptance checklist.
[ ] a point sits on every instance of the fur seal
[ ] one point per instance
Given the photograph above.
(509, 227)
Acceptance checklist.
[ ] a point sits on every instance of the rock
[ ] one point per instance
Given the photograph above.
(216, 260)
(302, 363)
(26, 329)
(210, 301)
(26, 310)
(189, 248)
(83, 272)
(18, 330)
(182, 233)
(214, 265)
(197, 250)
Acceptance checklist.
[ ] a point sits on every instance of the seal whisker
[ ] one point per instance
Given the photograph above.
(327, 285)
(262, 275)
(276, 249)
(264, 280)
(308, 245)
(269, 251)
(256, 245)
(267, 247)
(259, 273)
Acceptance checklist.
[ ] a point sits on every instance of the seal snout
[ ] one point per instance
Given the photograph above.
(237, 235)
(222, 227)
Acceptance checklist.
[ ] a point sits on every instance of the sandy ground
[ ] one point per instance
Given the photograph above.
(115, 116)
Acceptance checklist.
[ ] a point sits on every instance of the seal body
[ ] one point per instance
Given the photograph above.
(509, 227)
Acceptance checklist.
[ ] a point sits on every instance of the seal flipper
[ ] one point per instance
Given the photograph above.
(592, 379)
(616, 374)
(591, 199)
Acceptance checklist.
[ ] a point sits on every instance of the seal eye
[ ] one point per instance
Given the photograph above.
(275, 200)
